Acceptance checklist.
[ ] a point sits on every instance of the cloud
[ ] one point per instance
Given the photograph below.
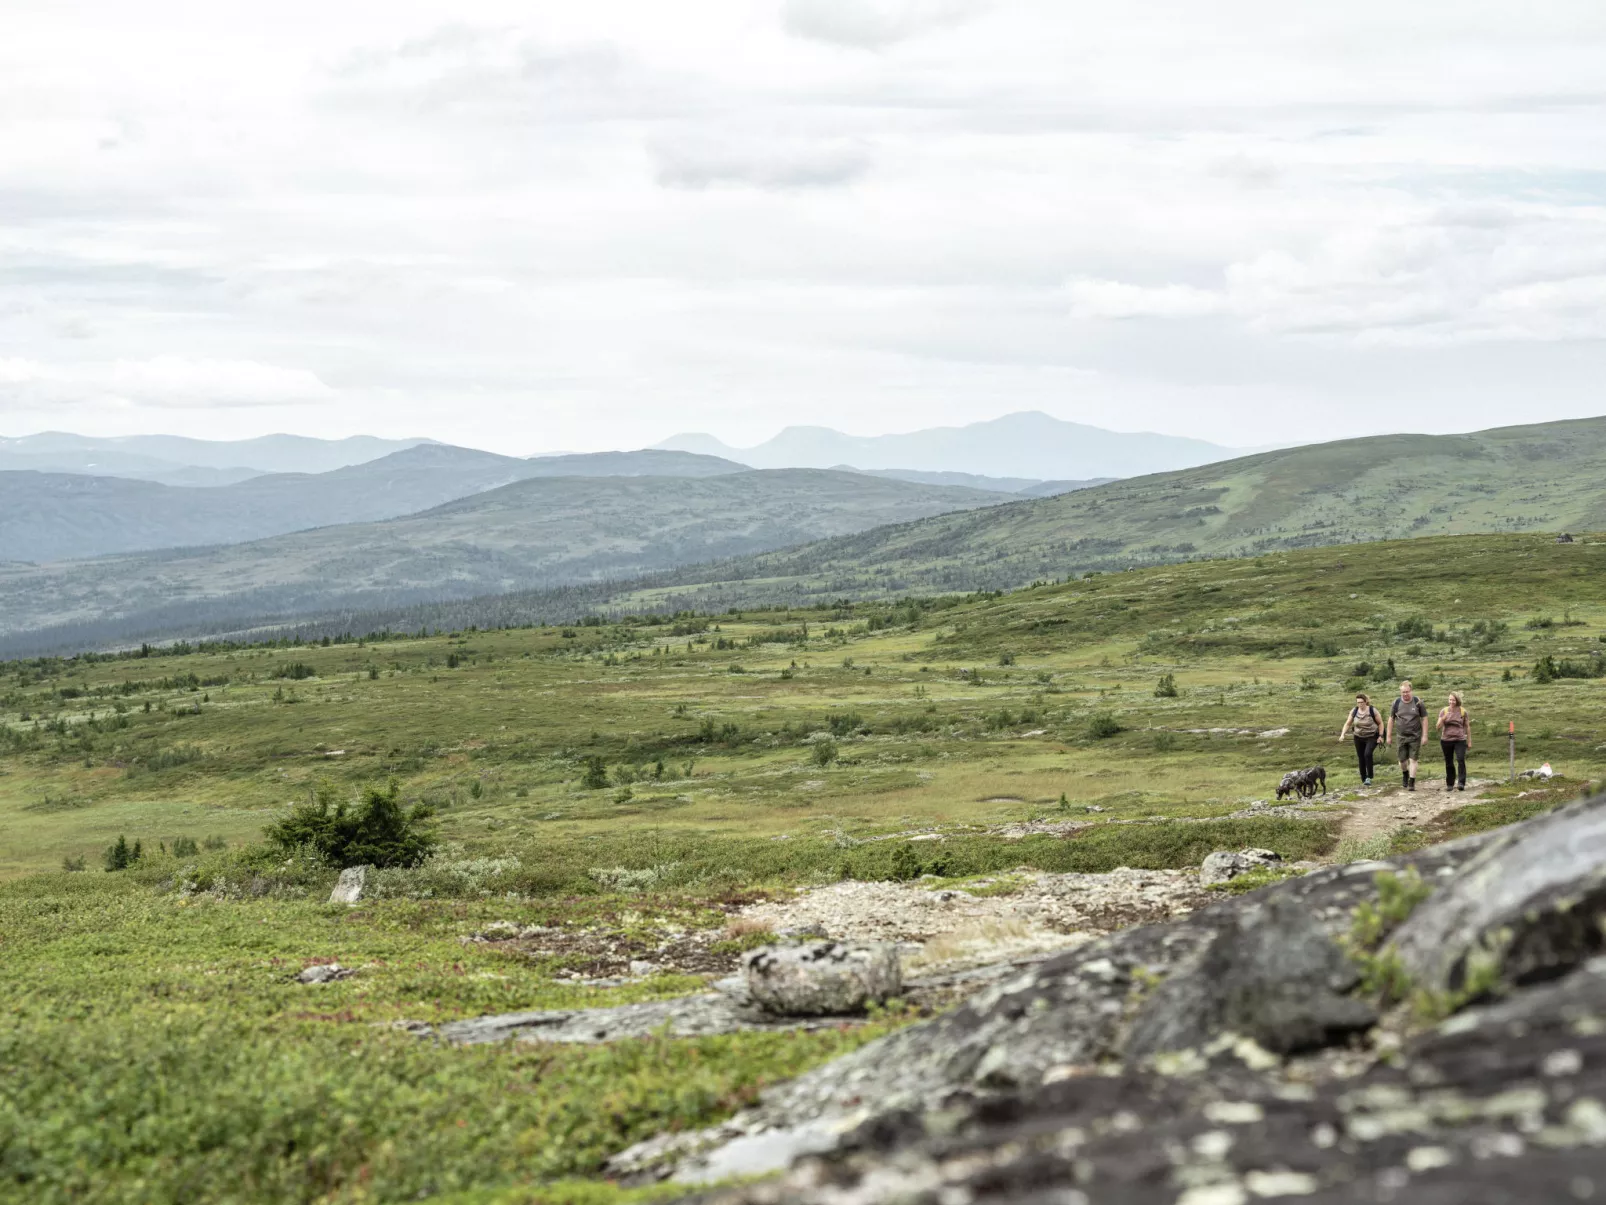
(1458, 274)
(776, 162)
(872, 24)
(477, 72)
(165, 382)
(1092, 298)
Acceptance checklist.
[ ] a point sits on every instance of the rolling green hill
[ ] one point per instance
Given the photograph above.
(1547, 477)
(536, 533)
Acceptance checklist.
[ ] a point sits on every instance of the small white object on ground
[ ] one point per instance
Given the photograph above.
(349, 889)
(327, 973)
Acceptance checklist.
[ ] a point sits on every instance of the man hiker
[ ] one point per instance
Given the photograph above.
(1406, 719)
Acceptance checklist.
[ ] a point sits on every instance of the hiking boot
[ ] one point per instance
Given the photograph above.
(1410, 784)
(1461, 786)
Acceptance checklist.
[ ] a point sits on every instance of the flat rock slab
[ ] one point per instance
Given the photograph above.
(685, 1017)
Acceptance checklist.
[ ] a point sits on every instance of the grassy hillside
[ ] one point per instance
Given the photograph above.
(1548, 477)
(938, 694)
(155, 1044)
(540, 532)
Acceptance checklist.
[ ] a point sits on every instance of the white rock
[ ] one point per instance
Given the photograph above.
(1225, 865)
(640, 967)
(325, 974)
(822, 978)
(349, 889)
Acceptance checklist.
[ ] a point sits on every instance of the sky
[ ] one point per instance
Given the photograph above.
(536, 226)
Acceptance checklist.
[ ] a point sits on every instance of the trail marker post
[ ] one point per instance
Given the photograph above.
(1512, 732)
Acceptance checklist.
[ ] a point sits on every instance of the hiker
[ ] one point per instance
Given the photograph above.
(1455, 738)
(1366, 726)
(1406, 720)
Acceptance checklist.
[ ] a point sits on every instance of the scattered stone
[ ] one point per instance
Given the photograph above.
(1062, 1025)
(348, 890)
(822, 978)
(640, 968)
(1224, 865)
(326, 973)
(685, 1017)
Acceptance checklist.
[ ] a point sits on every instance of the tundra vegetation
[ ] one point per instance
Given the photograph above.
(172, 820)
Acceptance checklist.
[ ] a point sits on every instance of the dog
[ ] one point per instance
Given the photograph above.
(1303, 783)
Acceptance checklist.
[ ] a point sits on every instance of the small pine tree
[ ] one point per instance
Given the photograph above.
(1167, 687)
(596, 774)
(120, 855)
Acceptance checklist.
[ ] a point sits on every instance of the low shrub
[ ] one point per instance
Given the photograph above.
(377, 831)
(1102, 725)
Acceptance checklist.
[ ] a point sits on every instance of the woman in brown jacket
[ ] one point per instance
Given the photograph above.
(1455, 738)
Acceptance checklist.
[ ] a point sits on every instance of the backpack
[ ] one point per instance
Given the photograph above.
(1370, 726)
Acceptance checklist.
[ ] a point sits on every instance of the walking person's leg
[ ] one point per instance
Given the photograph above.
(1461, 764)
(1360, 756)
(1449, 748)
(1369, 759)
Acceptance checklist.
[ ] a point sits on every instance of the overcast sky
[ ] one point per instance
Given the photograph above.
(537, 226)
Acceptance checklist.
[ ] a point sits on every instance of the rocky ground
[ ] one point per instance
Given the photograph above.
(1254, 1049)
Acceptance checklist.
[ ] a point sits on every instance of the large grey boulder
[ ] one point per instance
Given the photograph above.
(822, 978)
(1226, 865)
(1272, 974)
(348, 890)
(1533, 898)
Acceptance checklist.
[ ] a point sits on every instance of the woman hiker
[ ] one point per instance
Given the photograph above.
(1407, 719)
(1455, 738)
(1364, 723)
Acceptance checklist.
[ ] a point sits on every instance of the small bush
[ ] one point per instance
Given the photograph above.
(378, 831)
(1166, 688)
(1102, 725)
(844, 723)
(825, 752)
(1165, 742)
(185, 847)
(71, 864)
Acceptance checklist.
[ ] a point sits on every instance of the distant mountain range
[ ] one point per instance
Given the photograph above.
(1029, 445)
(177, 460)
(60, 516)
(570, 544)
(538, 532)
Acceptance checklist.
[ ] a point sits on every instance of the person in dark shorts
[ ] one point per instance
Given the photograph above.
(1407, 718)
(1455, 738)
(1366, 726)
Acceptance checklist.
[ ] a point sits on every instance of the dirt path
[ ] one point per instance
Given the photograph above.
(1376, 811)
